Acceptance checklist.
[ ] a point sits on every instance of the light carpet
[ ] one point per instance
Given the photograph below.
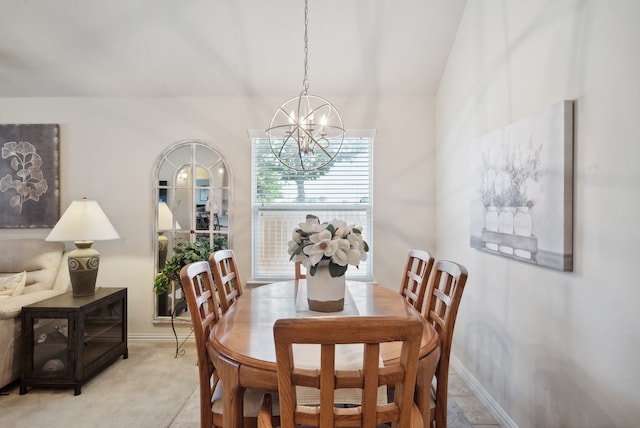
(150, 389)
(146, 390)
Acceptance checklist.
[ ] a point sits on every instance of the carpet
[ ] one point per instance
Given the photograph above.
(146, 390)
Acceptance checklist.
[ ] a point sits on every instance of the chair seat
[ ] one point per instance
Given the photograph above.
(251, 401)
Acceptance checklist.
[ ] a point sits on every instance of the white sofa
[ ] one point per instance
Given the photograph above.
(47, 275)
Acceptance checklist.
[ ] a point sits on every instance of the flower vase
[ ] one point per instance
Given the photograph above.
(491, 225)
(491, 219)
(522, 227)
(324, 292)
(505, 225)
(522, 222)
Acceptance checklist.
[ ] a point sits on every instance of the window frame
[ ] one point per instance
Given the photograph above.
(359, 213)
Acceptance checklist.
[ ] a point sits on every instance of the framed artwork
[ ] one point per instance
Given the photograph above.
(29, 176)
(522, 190)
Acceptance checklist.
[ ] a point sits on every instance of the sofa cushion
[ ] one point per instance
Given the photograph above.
(12, 285)
(40, 259)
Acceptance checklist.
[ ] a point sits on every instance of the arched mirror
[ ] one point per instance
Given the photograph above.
(192, 202)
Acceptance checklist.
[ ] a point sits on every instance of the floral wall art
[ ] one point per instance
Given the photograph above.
(522, 190)
(29, 176)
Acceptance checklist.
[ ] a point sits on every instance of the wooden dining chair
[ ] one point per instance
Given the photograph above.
(300, 272)
(415, 277)
(442, 302)
(197, 283)
(329, 332)
(226, 277)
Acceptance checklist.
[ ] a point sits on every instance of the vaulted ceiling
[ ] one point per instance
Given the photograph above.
(144, 48)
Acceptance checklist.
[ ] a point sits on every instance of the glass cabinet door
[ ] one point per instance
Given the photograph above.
(51, 348)
(103, 331)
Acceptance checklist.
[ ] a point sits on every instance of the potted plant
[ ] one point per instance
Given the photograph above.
(183, 253)
(337, 244)
(327, 250)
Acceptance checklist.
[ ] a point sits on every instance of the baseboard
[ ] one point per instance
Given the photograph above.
(496, 411)
(159, 338)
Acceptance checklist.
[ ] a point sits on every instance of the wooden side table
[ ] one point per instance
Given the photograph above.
(68, 339)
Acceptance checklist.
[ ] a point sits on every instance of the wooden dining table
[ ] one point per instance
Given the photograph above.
(243, 351)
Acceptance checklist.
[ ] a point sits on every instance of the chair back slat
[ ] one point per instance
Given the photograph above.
(415, 277)
(300, 273)
(226, 277)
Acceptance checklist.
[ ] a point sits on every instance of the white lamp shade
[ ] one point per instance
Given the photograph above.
(165, 218)
(83, 221)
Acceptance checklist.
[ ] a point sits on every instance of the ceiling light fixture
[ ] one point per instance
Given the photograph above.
(306, 132)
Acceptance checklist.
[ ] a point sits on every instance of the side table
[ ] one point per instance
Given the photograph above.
(68, 339)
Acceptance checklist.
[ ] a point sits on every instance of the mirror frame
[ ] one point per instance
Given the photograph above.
(189, 230)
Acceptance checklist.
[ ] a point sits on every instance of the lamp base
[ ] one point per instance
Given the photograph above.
(163, 248)
(83, 268)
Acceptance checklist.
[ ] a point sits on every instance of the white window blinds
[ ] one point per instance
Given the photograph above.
(282, 198)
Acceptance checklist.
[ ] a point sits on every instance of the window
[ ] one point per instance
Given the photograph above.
(282, 198)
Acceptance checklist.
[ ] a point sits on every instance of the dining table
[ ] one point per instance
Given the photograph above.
(242, 348)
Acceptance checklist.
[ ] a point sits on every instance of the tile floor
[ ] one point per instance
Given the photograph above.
(472, 408)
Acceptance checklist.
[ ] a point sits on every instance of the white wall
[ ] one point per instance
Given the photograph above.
(552, 349)
(109, 146)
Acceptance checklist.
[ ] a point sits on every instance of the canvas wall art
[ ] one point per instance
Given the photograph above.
(29, 176)
(522, 190)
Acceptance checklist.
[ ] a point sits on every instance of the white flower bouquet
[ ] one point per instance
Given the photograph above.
(337, 243)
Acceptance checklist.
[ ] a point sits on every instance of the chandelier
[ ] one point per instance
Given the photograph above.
(306, 132)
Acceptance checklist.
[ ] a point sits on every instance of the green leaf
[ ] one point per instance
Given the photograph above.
(331, 229)
(183, 254)
(337, 270)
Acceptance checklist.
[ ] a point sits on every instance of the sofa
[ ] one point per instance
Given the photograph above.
(45, 275)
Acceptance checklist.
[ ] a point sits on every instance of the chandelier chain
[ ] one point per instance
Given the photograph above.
(305, 81)
(306, 132)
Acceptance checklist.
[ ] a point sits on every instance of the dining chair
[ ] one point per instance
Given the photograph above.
(328, 332)
(442, 302)
(197, 283)
(415, 277)
(300, 272)
(226, 277)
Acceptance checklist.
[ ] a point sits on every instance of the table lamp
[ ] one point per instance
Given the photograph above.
(165, 222)
(83, 222)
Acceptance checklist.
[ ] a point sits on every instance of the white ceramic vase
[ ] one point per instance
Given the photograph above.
(324, 292)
